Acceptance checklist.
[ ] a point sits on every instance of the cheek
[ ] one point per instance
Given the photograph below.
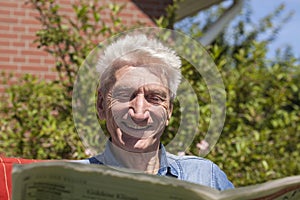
(117, 109)
(165, 106)
(114, 114)
(159, 112)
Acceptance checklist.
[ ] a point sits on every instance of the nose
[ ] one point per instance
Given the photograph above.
(139, 109)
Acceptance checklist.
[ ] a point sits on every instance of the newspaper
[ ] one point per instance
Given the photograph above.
(75, 181)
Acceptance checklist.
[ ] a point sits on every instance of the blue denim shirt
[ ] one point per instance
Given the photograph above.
(188, 168)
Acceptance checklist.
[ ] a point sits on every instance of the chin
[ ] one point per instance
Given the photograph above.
(130, 143)
(139, 145)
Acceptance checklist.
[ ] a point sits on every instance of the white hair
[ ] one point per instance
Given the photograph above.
(138, 50)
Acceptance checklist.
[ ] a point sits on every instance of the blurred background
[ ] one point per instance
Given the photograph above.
(289, 34)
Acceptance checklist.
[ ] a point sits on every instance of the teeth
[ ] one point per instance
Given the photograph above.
(136, 126)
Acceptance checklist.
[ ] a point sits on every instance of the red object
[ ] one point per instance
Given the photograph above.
(6, 165)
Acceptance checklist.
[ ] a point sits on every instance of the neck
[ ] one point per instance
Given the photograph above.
(145, 162)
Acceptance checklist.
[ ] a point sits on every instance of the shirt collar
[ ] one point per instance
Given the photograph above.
(107, 158)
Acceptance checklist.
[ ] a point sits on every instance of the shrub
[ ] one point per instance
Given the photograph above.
(36, 121)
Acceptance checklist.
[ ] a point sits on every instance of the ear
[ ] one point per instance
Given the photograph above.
(169, 113)
(100, 105)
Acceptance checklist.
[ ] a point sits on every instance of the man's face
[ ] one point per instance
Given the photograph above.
(137, 109)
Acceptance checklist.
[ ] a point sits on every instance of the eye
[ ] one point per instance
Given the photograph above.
(154, 99)
(121, 96)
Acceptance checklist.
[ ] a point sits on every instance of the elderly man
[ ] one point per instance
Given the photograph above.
(139, 78)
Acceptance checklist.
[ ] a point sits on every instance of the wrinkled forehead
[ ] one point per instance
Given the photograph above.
(137, 77)
(129, 71)
(143, 74)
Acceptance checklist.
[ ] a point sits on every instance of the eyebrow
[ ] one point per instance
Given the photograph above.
(154, 89)
(157, 91)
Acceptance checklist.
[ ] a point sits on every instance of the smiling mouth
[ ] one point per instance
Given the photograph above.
(135, 126)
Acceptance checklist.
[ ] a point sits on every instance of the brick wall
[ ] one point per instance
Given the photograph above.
(18, 53)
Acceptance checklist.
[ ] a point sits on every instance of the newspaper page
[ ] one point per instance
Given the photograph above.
(74, 181)
(282, 189)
